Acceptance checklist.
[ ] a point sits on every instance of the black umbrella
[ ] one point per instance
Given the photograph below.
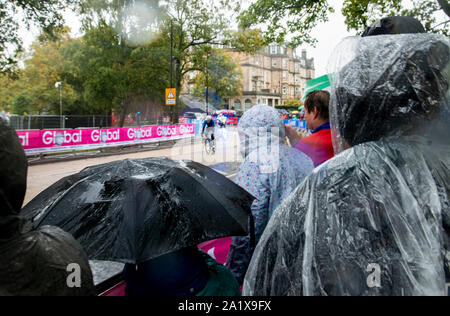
(136, 210)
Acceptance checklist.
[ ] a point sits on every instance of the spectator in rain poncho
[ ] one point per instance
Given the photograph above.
(269, 172)
(374, 220)
(33, 262)
(394, 25)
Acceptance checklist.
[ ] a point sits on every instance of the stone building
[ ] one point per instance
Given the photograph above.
(271, 77)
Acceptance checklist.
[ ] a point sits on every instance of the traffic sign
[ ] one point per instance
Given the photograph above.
(171, 96)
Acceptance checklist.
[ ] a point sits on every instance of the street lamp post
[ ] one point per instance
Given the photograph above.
(172, 59)
(59, 85)
(171, 64)
(207, 90)
(171, 53)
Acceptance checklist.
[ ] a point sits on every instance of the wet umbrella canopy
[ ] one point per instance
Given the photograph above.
(136, 210)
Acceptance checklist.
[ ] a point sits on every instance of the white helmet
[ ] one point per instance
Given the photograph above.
(208, 118)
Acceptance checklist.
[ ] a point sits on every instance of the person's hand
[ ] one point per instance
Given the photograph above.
(292, 135)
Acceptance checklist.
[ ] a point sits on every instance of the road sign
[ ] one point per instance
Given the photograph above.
(171, 96)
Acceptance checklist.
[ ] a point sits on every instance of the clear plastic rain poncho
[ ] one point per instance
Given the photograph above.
(374, 220)
(270, 172)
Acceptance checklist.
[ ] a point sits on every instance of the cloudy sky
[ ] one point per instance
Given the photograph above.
(328, 36)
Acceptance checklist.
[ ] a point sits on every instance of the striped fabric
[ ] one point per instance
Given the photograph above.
(321, 83)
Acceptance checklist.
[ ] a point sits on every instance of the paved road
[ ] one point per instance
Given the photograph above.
(225, 161)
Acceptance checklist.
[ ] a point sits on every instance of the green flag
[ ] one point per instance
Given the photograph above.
(321, 83)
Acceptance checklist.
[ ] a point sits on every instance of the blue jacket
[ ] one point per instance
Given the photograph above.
(206, 124)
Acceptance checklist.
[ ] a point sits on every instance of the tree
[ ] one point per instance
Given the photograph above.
(7, 92)
(21, 104)
(42, 69)
(283, 17)
(299, 17)
(194, 26)
(198, 26)
(136, 22)
(293, 103)
(222, 76)
(113, 76)
(97, 66)
(445, 5)
(43, 13)
(361, 14)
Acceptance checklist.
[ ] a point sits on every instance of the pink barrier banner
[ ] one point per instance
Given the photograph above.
(79, 139)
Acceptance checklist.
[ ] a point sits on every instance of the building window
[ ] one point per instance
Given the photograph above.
(273, 49)
(285, 63)
(274, 62)
(297, 67)
(284, 75)
(237, 104)
(248, 104)
(284, 90)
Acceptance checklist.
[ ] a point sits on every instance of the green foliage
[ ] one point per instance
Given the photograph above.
(6, 92)
(194, 26)
(293, 103)
(299, 17)
(43, 13)
(224, 76)
(283, 17)
(21, 104)
(37, 80)
(107, 70)
(361, 14)
(198, 26)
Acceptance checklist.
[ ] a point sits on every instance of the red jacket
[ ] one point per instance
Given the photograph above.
(318, 146)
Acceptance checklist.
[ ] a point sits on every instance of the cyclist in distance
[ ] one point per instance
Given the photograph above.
(209, 125)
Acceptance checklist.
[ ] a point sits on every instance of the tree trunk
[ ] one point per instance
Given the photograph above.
(445, 5)
(123, 113)
(176, 109)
